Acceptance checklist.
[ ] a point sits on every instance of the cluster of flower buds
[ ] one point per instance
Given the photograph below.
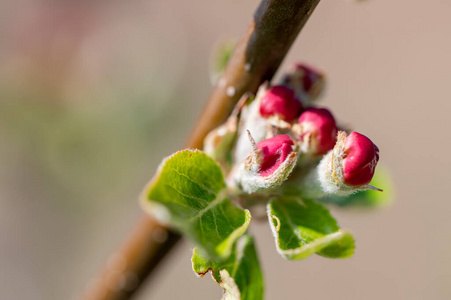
(280, 133)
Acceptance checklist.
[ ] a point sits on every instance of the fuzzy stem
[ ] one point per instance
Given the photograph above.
(275, 25)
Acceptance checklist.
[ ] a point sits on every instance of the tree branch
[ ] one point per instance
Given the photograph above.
(268, 38)
(256, 58)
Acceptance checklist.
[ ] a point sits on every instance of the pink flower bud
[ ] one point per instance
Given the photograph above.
(349, 166)
(360, 159)
(274, 152)
(280, 101)
(268, 165)
(318, 131)
(307, 82)
(312, 80)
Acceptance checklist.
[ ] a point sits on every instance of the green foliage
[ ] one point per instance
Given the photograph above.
(189, 192)
(303, 227)
(239, 275)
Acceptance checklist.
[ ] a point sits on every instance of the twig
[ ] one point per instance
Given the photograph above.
(256, 58)
(274, 28)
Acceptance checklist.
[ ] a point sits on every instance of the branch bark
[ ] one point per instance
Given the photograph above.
(258, 55)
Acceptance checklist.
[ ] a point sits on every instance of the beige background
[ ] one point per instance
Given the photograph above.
(389, 72)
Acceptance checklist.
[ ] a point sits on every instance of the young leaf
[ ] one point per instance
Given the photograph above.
(368, 198)
(189, 193)
(302, 228)
(239, 275)
(220, 57)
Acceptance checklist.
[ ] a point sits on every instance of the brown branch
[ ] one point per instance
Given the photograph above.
(256, 58)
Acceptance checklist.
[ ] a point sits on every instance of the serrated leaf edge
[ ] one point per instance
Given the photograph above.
(158, 211)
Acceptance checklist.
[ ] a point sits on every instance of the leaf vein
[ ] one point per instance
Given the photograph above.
(219, 198)
(209, 190)
(184, 195)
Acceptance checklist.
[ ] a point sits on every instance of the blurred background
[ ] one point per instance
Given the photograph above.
(93, 94)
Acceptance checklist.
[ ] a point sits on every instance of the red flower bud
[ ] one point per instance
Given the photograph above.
(312, 80)
(274, 152)
(318, 131)
(307, 82)
(268, 165)
(280, 101)
(360, 159)
(349, 166)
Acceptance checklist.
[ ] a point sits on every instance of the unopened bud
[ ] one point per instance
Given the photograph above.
(317, 131)
(350, 165)
(307, 82)
(274, 152)
(280, 101)
(360, 159)
(269, 164)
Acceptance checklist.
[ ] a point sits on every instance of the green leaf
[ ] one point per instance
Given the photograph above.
(368, 198)
(189, 193)
(302, 228)
(239, 275)
(220, 57)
